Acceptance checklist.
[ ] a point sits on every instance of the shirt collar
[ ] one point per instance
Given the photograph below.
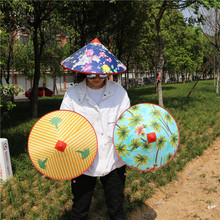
(82, 90)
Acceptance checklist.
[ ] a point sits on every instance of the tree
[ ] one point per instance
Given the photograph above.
(157, 10)
(211, 29)
(7, 105)
(184, 51)
(85, 20)
(24, 53)
(149, 47)
(53, 52)
(209, 4)
(34, 14)
(3, 55)
(10, 21)
(124, 33)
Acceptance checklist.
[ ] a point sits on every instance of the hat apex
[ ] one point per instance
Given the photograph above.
(96, 41)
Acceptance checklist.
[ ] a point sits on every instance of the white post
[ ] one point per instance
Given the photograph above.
(5, 161)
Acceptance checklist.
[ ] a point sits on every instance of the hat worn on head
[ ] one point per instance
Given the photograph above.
(94, 58)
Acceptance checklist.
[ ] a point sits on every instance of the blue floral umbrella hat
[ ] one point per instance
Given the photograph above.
(146, 137)
(94, 58)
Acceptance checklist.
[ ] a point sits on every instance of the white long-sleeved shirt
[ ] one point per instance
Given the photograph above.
(102, 117)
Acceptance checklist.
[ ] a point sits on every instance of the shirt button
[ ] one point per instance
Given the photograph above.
(102, 134)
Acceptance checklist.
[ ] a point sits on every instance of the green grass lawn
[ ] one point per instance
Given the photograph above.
(30, 195)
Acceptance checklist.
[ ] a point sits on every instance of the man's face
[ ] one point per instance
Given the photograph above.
(96, 83)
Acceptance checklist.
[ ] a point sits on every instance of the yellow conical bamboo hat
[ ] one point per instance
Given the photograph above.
(62, 144)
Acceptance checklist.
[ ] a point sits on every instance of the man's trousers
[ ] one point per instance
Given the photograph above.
(113, 185)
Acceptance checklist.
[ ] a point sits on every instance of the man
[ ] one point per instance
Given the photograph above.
(101, 102)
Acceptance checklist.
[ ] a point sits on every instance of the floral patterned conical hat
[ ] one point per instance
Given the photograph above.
(62, 144)
(146, 137)
(94, 58)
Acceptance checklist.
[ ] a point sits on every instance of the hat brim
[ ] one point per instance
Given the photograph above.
(76, 71)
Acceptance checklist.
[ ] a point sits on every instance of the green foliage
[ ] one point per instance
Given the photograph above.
(208, 4)
(7, 92)
(24, 57)
(184, 47)
(3, 46)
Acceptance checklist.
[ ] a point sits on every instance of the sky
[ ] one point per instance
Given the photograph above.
(209, 15)
(186, 12)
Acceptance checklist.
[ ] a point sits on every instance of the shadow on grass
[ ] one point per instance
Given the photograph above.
(98, 210)
(146, 90)
(170, 99)
(140, 211)
(22, 112)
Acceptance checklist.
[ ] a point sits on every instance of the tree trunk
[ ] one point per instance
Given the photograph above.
(1, 76)
(159, 79)
(218, 70)
(155, 77)
(178, 77)
(214, 70)
(13, 77)
(54, 77)
(54, 85)
(217, 82)
(190, 77)
(136, 76)
(127, 80)
(160, 64)
(34, 96)
(127, 75)
(29, 58)
(10, 54)
(160, 95)
(183, 78)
